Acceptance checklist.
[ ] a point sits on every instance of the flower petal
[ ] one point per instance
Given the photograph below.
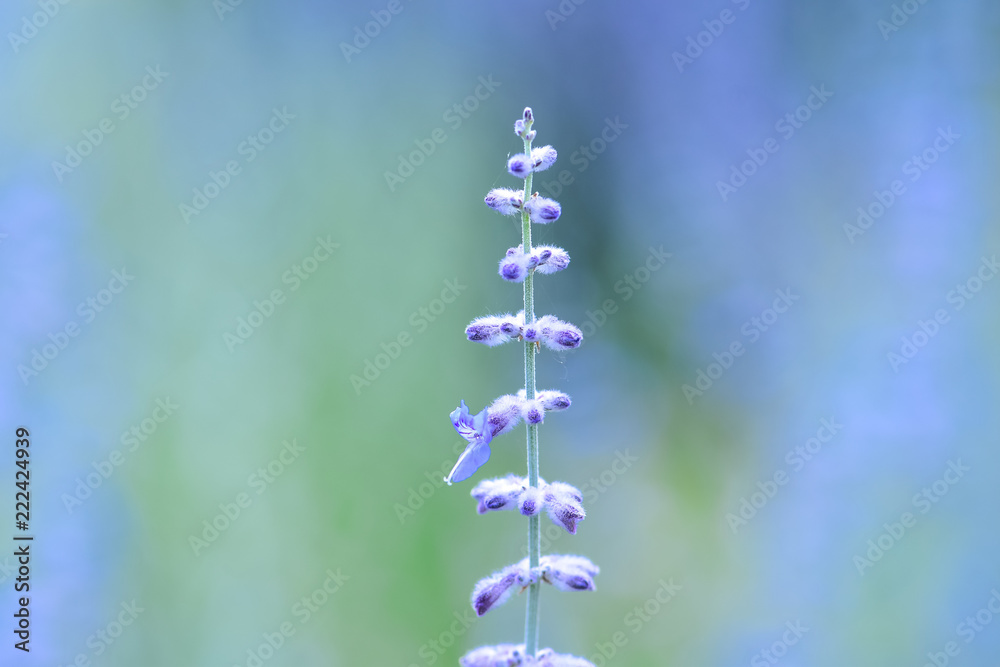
(474, 456)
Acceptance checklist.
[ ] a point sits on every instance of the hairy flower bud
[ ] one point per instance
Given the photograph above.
(515, 265)
(569, 573)
(543, 210)
(495, 589)
(530, 135)
(533, 411)
(550, 399)
(528, 116)
(505, 200)
(487, 330)
(531, 500)
(550, 259)
(503, 493)
(502, 655)
(558, 335)
(504, 414)
(520, 165)
(549, 658)
(519, 127)
(564, 505)
(542, 158)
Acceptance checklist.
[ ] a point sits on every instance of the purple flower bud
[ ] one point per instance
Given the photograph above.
(531, 501)
(553, 400)
(503, 493)
(542, 158)
(533, 411)
(543, 210)
(508, 328)
(495, 589)
(550, 259)
(514, 267)
(563, 503)
(519, 165)
(504, 414)
(505, 200)
(558, 335)
(488, 330)
(569, 573)
(528, 116)
(530, 333)
(530, 135)
(502, 655)
(519, 127)
(549, 658)
(565, 492)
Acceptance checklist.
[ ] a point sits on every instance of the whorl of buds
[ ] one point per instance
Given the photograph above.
(562, 502)
(509, 655)
(565, 572)
(493, 330)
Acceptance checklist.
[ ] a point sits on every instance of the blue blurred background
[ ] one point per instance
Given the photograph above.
(239, 243)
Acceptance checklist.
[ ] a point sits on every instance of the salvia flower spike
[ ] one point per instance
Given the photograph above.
(529, 495)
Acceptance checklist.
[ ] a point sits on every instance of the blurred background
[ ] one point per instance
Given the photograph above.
(239, 243)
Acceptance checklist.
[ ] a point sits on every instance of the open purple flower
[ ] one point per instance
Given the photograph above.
(476, 430)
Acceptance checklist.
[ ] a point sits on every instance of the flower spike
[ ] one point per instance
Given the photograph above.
(529, 495)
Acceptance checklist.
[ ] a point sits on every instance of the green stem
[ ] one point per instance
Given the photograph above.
(534, 525)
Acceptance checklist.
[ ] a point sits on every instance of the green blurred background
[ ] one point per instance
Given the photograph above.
(168, 166)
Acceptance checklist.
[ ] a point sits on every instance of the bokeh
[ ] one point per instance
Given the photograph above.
(239, 243)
